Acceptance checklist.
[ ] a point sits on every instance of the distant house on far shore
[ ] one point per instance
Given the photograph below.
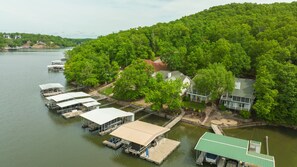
(157, 64)
(174, 75)
(242, 97)
(7, 36)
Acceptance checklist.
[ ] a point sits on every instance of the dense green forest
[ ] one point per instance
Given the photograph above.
(250, 40)
(20, 39)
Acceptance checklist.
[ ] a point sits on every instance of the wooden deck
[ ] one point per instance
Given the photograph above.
(216, 129)
(72, 114)
(161, 151)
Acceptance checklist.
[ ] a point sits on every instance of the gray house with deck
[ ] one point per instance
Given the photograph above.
(242, 97)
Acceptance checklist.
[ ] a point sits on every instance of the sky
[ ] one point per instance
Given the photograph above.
(92, 18)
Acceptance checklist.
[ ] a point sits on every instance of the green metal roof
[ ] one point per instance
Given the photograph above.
(232, 148)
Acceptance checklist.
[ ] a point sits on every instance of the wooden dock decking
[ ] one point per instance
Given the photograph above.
(161, 151)
(72, 114)
(216, 129)
(175, 121)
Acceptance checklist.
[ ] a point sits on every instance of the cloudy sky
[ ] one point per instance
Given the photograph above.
(90, 18)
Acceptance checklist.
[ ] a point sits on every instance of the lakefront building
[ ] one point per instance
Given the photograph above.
(242, 97)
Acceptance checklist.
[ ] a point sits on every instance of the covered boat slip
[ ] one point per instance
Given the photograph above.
(232, 148)
(90, 106)
(51, 89)
(67, 106)
(53, 100)
(105, 120)
(146, 140)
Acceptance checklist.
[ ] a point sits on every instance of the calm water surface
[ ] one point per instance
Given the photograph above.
(30, 136)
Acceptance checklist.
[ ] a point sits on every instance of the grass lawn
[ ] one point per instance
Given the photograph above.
(194, 105)
(107, 91)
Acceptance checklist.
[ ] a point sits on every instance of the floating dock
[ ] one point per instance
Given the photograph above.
(72, 114)
(161, 151)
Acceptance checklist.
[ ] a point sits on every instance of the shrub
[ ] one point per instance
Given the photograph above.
(222, 107)
(245, 114)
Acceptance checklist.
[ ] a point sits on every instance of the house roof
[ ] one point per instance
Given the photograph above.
(68, 96)
(158, 65)
(174, 75)
(50, 86)
(232, 148)
(244, 88)
(75, 102)
(104, 115)
(139, 132)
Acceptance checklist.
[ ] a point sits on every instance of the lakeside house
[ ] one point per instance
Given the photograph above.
(242, 97)
(195, 95)
(174, 75)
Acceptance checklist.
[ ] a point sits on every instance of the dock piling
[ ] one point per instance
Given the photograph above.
(267, 149)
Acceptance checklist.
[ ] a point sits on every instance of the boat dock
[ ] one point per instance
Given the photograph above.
(175, 121)
(72, 114)
(216, 129)
(161, 151)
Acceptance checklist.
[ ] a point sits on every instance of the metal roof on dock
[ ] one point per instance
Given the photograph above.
(104, 115)
(232, 148)
(68, 96)
(91, 104)
(50, 86)
(139, 132)
(75, 102)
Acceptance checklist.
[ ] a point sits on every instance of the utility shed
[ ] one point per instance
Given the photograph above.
(105, 119)
(51, 89)
(232, 148)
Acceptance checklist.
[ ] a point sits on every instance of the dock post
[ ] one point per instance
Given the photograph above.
(267, 149)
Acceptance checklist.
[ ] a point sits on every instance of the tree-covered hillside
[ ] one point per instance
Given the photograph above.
(250, 40)
(49, 41)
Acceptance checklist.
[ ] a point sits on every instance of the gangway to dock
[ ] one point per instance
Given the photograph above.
(175, 121)
(216, 129)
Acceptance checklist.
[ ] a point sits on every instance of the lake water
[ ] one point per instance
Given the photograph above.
(31, 136)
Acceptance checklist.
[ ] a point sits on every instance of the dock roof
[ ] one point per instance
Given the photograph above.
(232, 148)
(139, 132)
(68, 96)
(75, 102)
(104, 115)
(91, 104)
(50, 86)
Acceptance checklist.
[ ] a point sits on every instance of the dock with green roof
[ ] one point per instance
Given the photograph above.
(232, 148)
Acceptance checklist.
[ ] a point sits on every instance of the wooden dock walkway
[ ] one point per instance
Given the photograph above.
(161, 151)
(72, 114)
(216, 129)
(138, 110)
(107, 104)
(200, 159)
(175, 121)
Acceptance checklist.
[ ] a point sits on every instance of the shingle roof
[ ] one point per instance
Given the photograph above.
(245, 88)
(232, 148)
(174, 75)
